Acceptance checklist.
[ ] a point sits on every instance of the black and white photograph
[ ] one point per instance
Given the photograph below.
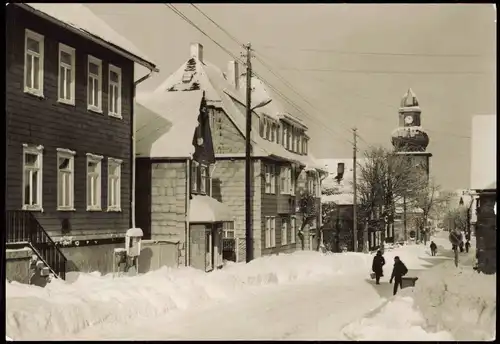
(250, 171)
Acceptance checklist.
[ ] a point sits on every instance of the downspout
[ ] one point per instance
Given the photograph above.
(187, 232)
(132, 201)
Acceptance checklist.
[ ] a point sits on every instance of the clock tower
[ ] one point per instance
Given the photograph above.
(409, 138)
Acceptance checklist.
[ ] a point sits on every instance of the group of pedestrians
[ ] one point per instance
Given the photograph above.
(398, 271)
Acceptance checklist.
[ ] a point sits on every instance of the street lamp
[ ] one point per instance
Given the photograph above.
(262, 104)
(248, 168)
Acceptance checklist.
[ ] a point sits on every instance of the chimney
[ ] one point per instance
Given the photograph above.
(197, 51)
(340, 171)
(233, 74)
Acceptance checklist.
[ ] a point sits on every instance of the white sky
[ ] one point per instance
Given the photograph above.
(343, 98)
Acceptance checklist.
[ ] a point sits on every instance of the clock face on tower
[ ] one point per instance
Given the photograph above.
(409, 119)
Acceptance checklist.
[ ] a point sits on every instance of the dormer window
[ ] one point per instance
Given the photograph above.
(187, 77)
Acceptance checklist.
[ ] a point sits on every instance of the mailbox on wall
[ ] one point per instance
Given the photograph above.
(133, 240)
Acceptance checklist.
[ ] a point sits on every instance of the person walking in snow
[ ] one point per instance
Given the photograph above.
(433, 248)
(398, 272)
(467, 246)
(377, 266)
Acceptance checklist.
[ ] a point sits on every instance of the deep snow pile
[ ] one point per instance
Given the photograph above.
(458, 300)
(397, 320)
(63, 308)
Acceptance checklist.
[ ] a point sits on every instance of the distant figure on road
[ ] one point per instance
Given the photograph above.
(433, 248)
(467, 246)
(461, 246)
(398, 272)
(377, 266)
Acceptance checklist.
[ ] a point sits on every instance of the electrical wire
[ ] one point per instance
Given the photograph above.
(180, 14)
(343, 52)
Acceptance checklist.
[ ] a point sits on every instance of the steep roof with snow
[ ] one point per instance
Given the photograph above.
(275, 109)
(343, 187)
(166, 123)
(82, 20)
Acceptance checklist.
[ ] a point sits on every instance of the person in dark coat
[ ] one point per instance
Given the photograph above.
(467, 246)
(398, 272)
(461, 246)
(377, 266)
(433, 248)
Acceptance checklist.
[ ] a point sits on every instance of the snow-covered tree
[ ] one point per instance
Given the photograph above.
(385, 178)
(308, 210)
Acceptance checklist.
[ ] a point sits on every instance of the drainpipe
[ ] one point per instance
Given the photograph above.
(187, 232)
(132, 201)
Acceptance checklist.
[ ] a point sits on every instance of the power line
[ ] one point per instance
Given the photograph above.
(392, 108)
(342, 52)
(389, 72)
(220, 27)
(180, 14)
(230, 54)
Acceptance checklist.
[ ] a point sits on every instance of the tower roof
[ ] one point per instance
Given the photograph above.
(409, 99)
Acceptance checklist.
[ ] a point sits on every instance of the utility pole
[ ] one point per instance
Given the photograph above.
(248, 159)
(355, 200)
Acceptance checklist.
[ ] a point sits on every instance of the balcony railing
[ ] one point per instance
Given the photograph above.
(23, 227)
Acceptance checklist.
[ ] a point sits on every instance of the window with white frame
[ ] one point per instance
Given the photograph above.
(94, 84)
(33, 62)
(32, 177)
(293, 229)
(203, 179)
(270, 232)
(285, 179)
(292, 181)
(284, 231)
(94, 181)
(285, 135)
(65, 179)
(194, 176)
(114, 184)
(270, 175)
(115, 91)
(66, 74)
(310, 183)
(228, 230)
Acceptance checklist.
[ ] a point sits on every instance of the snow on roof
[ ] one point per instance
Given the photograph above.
(191, 75)
(166, 123)
(86, 22)
(345, 184)
(205, 209)
(275, 109)
(219, 92)
(340, 199)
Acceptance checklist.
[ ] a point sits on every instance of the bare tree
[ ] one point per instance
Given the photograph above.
(385, 179)
(308, 210)
(428, 200)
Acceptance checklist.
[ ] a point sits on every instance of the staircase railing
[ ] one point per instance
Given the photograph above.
(22, 226)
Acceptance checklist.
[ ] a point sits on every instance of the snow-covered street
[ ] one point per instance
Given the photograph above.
(305, 295)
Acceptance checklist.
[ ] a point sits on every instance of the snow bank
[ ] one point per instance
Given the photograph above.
(458, 300)
(63, 308)
(397, 320)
